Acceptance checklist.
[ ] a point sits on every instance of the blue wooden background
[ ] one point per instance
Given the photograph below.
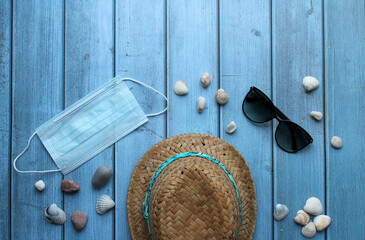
(53, 53)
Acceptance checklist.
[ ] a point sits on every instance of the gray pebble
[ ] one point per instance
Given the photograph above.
(102, 176)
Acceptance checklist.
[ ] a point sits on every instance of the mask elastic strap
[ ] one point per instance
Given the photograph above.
(25, 149)
(167, 101)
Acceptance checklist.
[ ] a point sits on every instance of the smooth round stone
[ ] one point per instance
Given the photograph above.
(102, 176)
(310, 83)
(69, 186)
(181, 88)
(221, 96)
(39, 185)
(336, 142)
(79, 220)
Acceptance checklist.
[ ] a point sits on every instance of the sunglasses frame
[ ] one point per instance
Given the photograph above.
(280, 116)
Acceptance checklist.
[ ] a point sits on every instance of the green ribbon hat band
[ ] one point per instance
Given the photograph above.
(176, 157)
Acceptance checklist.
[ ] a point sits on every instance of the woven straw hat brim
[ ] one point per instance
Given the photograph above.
(192, 142)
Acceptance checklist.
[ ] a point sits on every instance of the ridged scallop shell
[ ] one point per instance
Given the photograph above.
(280, 212)
(313, 206)
(54, 215)
(302, 218)
(104, 204)
(322, 222)
(309, 230)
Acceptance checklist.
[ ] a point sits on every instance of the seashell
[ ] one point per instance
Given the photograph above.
(221, 96)
(280, 212)
(79, 220)
(310, 83)
(39, 185)
(231, 127)
(302, 218)
(322, 222)
(102, 176)
(69, 186)
(54, 215)
(104, 204)
(309, 230)
(205, 79)
(201, 104)
(316, 115)
(181, 88)
(313, 206)
(336, 142)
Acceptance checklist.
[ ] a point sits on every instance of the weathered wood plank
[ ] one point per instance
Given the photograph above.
(89, 62)
(5, 116)
(192, 49)
(37, 96)
(345, 114)
(140, 54)
(298, 52)
(245, 59)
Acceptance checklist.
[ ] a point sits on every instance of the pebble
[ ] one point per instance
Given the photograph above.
(39, 185)
(201, 104)
(310, 83)
(181, 88)
(102, 176)
(336, 142)
(205, 79)
(316, 115)
(79, 220)
(231, 127)
(221, 96)
(69, 186)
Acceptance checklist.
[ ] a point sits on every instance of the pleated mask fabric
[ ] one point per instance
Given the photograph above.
(91, 125)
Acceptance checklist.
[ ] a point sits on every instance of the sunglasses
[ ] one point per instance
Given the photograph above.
(258, 108)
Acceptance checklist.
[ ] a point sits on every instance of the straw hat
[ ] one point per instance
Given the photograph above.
(199, 184)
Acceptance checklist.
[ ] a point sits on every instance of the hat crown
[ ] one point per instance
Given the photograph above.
(193, 198)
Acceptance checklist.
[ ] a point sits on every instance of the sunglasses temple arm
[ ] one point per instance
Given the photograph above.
(281, 115)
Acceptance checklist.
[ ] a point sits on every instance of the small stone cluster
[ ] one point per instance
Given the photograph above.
(310, 84)
(53, 214)
(181, 89)
(313, 206)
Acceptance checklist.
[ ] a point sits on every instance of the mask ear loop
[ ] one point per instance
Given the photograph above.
(167, 101)
(25, 149)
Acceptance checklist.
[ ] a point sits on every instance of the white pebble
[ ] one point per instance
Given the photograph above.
(310, 83)
(201, 104)
(205, 79)
(181, 88)
(316, 115)
(231, 127)
(221, 96)
(39, 185)
(336, 142)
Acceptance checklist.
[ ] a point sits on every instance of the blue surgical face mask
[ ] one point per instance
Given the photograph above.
(91, 125)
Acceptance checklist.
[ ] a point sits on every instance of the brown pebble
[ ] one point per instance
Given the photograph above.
(79, 220)
(69, 186)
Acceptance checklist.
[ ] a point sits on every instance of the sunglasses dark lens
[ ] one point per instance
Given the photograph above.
(291, 137)
(257, 107)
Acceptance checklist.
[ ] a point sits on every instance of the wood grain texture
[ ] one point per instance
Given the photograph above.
(297, 52)
(89, 62)
(37, 70)
(140, 54)
(192, 49)
(345, 114)
(245, 61)
(5, 116)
